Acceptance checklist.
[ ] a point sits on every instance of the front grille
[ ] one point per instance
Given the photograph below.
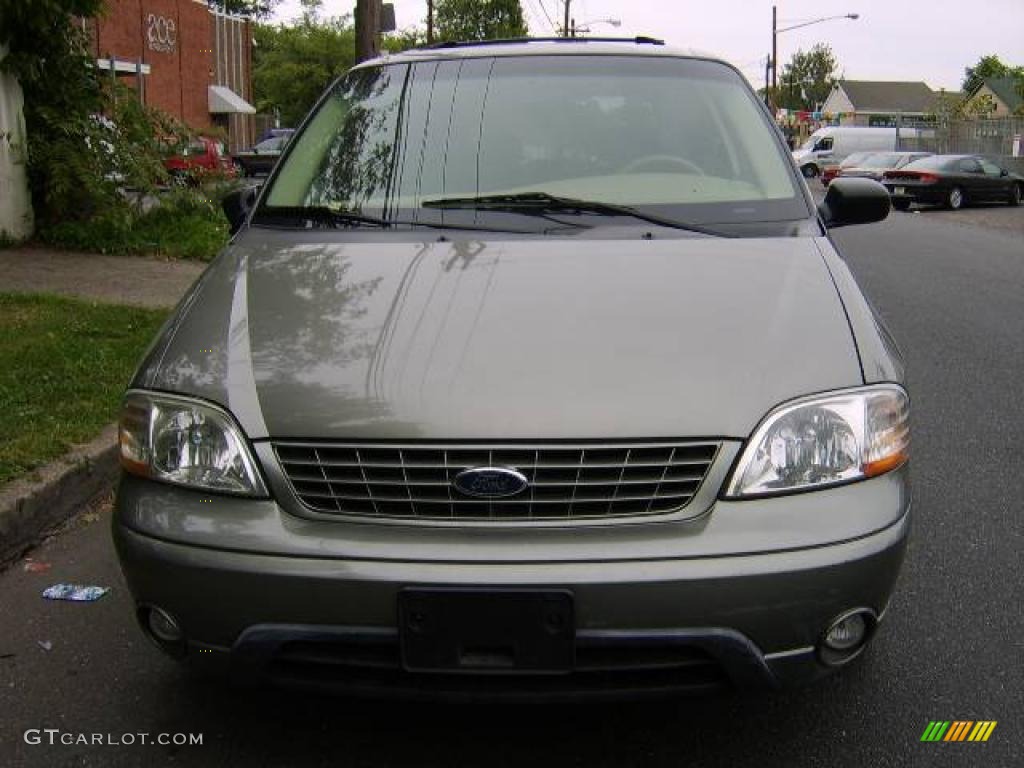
(566, 480)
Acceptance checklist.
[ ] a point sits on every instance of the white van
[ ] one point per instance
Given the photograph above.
(830, 145)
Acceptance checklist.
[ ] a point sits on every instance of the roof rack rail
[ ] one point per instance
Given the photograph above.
(639, 40)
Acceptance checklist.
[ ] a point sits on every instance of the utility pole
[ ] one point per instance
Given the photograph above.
(775, 51)
(430, 21)
(567, 29)
(367, 27)
(776, 32)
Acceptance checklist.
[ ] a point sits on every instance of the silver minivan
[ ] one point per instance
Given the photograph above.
(531, 371)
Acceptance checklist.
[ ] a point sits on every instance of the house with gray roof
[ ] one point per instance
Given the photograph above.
(1000, 93)
(880, 102)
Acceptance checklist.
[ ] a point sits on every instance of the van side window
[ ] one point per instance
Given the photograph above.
(824, 144)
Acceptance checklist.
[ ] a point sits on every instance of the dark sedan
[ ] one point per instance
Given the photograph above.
(952, 181)
(875, 165)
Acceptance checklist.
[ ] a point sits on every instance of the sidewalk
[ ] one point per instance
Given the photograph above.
(140, 280)
(33, 504)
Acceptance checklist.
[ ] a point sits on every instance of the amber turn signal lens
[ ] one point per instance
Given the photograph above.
(880, 467)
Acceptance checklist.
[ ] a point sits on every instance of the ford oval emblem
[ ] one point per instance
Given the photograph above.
(490, 482)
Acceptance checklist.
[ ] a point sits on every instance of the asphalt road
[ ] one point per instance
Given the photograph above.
(952, 647)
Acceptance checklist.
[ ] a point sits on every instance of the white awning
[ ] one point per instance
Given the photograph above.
(122, 66)
(224, 100)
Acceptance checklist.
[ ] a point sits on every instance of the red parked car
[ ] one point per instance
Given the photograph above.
(201, 157)
(830, 172)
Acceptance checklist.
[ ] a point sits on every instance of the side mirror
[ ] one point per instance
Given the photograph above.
(1004, 172)
(236, 206)
(854, 201)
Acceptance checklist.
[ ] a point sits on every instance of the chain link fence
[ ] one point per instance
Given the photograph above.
(993, 138)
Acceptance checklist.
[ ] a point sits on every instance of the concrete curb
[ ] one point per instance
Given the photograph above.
(30, 507)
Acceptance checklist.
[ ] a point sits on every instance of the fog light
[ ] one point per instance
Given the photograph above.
(846, 633)
(846, 636)
(164, 627)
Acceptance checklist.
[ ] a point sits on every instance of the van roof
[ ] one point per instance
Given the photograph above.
(860, 128)
(544, 46)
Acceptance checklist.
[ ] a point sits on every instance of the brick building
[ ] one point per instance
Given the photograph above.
(183, 58)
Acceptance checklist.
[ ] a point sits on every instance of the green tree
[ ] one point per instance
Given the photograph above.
(987, 66)
(807, 79)
(87, 137)
(948, 106)
(982, 105)
(257, 9)
(294, 63)
(403, 40)
(479, 19)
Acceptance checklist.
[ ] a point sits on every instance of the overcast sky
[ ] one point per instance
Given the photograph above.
(930, 40)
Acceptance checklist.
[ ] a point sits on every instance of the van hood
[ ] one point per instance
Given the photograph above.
(520, 339)
(802, 154)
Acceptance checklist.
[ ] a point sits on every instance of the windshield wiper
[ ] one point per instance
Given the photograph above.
(545, 203)
(321, 215)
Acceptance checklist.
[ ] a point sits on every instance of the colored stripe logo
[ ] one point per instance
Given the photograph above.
(958, 730)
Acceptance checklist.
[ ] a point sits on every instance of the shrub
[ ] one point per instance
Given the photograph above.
(87, 138)
(106, 232)
(185, 224)
(182, 224)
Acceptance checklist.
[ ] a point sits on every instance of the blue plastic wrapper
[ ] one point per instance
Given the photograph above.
(76, 592)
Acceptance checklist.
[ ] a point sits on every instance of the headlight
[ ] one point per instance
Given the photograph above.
(825, 440)
(188, 443)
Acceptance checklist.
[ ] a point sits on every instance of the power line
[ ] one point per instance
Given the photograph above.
(547, 15)
(535, 15)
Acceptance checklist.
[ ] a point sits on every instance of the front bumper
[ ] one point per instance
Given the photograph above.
(642, 625)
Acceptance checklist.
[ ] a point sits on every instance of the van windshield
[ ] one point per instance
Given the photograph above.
(677, 137)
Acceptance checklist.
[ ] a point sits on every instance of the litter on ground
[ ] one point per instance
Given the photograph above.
(75, 592)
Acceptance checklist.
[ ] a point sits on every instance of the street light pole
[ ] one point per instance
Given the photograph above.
(567, 30)
(776, 32)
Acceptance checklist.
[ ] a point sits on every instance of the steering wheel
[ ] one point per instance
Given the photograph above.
(662, 160)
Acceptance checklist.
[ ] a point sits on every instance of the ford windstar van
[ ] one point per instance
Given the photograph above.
(531, 371)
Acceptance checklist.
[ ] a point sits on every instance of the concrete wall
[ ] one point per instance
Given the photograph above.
(15, 203)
